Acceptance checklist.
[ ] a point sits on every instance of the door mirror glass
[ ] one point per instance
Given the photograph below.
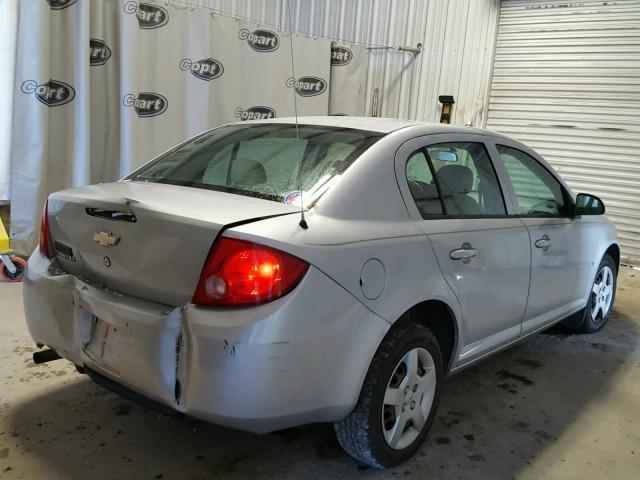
(587, 204)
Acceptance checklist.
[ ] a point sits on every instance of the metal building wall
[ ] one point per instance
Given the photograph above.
(458, 38)
(566, 81)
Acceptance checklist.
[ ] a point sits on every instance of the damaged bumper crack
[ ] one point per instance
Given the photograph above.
(258, 368)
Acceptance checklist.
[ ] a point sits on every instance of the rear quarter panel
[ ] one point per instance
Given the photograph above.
(411, 271)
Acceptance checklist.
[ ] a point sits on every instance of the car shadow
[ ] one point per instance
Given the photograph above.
(494, 420)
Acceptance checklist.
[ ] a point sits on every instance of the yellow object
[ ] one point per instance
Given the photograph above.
(4, 240)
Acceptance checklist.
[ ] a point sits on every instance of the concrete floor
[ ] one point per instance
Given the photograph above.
(556, 407)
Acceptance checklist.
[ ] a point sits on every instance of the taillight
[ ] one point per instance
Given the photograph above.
(44, 230)
(238, 272)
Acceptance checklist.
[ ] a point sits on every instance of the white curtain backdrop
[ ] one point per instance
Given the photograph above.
(8, 27)
(103, 86)
(349, 65)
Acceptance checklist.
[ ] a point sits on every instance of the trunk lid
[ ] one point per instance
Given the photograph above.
(146, 240)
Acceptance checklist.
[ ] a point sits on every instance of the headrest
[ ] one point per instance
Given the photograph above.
(455, 179)
(245, 171)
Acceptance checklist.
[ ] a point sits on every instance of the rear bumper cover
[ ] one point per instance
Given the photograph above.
(296, 360)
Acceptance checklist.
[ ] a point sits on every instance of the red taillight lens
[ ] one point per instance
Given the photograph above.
(238, 272)
(44, 230)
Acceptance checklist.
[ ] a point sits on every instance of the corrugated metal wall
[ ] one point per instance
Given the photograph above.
(566, 81)
(458, 38)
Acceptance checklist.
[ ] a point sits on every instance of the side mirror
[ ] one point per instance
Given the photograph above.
(587, 204)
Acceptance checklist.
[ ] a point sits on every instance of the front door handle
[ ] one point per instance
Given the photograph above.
(544, 243)
(464, 253)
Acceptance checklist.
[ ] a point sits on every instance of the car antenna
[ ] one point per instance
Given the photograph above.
(303, 222)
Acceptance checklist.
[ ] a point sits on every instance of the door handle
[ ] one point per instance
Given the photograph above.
(544, 243)
(464, 253)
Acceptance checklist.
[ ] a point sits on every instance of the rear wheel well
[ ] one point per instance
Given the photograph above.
(439, 319)
(614, 252)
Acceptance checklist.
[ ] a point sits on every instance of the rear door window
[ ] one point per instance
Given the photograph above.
(462, 174)
(467, 180)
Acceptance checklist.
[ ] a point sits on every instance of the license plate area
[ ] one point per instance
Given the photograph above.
(130, 341)
(105, 346)
(138, 352)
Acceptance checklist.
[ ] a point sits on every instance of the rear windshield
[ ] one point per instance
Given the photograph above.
(270, 161)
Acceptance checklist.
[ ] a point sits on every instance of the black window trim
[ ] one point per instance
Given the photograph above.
(436, 181)
(445, 216)
(443, 207)
(566, 196)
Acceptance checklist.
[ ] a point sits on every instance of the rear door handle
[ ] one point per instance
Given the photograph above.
(544, 243)
(464, 253)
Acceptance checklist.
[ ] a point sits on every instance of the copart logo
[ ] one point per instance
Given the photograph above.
(340, 56)
(260, 40)
(146, 104)
(60, 4)
(148, 15)
(205, 69)
(255, 113)
(307, 86)
(52, 94)
(100, 52)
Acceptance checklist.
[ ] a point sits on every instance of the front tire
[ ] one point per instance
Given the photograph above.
(398, 400)
(600, 302)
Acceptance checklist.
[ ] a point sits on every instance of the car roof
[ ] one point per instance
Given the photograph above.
(376, 124)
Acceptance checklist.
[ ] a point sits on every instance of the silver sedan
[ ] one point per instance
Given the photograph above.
(268, 274)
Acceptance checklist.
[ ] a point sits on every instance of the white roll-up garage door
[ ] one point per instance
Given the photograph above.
(566, 81)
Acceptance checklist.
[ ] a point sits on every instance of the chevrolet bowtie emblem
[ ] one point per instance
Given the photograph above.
(106, 239)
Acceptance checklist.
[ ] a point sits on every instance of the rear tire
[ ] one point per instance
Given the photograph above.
(21, 268)
(398, 400)
(600, 301)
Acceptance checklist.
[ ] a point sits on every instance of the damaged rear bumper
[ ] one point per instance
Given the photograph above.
(296, 360)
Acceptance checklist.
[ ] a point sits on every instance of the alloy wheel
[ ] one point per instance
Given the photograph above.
(602, 294)
(408, 398)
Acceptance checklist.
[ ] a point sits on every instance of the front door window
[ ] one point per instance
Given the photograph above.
(538, 193)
